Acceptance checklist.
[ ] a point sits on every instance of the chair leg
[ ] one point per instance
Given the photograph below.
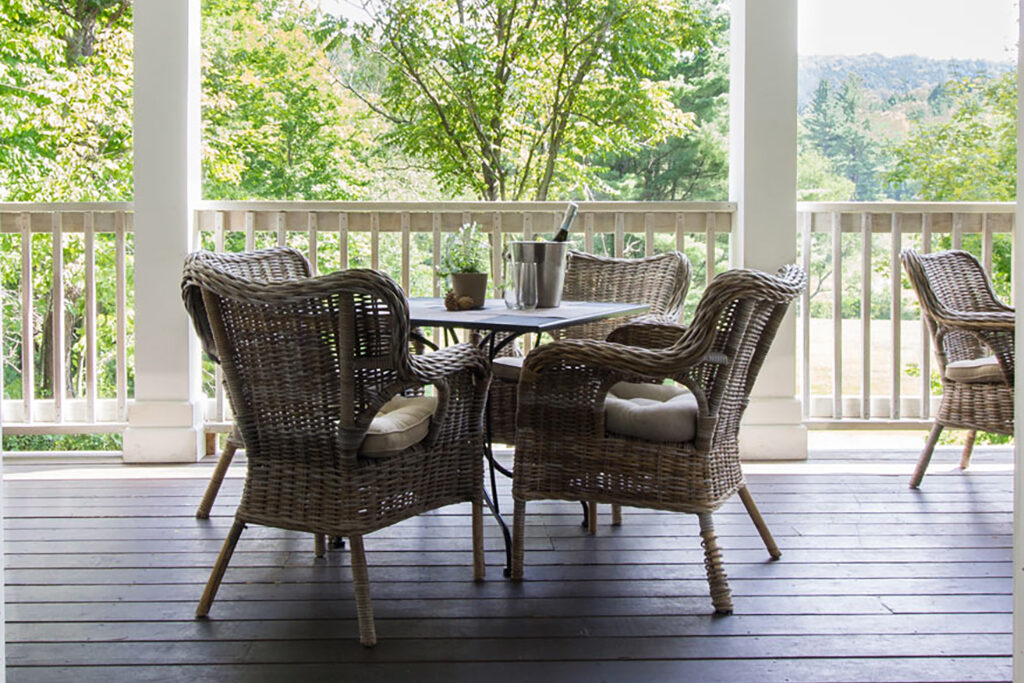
(479, 568)
(758, 520)
(518, 530)
(361, 584)
(721, 596)
(926, 456)
(203, 511)
(965, 457)
(616, 514)
(219, 568)
(319, 545)
(592, 518)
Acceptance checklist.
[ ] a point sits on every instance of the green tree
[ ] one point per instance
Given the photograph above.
(972, 156)
(694, 166)
(836, 125)
(512, 100)
(274, 124)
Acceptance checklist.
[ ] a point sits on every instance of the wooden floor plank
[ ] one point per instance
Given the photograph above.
(877, 582)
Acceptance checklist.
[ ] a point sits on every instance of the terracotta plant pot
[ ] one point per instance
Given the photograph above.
(473, 285)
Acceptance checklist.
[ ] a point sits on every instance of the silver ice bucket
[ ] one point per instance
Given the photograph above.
(550, 260)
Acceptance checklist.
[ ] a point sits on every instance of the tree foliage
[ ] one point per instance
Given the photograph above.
(274, 124)
(514, 100)
(972, 156)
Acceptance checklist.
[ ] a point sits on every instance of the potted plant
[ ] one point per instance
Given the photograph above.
(464, 261)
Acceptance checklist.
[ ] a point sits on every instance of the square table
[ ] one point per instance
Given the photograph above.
(494, 320)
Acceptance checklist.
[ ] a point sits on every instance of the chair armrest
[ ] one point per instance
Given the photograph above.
(438, 365)
(651, 332)
(976, 320)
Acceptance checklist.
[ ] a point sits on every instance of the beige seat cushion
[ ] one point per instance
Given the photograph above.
(976, 371)
(653, 412)
(507, 368)
(400, 423)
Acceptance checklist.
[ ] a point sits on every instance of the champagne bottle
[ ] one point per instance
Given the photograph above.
(563, 230)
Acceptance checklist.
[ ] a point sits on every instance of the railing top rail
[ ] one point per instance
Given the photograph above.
(49, 207)
(906, 207)
(463, 206)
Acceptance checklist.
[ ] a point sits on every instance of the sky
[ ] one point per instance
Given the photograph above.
(941, 29)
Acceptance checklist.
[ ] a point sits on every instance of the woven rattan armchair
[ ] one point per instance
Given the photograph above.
(311, 365)
(972, 332)
(661, 281)
(565, 448)
(276, 264)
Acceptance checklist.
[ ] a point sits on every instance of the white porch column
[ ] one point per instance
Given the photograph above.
(762, 180)
(164, 422)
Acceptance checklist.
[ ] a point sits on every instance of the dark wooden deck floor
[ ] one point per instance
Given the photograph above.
(876, 583)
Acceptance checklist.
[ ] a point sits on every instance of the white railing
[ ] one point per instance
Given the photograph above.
(843, 383)
(403, 239)
(406, 239)
(52, 230)
(865, 240)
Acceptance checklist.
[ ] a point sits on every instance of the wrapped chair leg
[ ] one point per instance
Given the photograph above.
(518, 531)
(721, 596)
(759, 523)
(616, 514)
(319, 545)
(592, 517)
(965, 456)
(219, 568)
(361, 585)
(216, 479)
(479, 568)
(926, 456)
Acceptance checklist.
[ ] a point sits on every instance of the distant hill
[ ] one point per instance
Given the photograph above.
(886, 76)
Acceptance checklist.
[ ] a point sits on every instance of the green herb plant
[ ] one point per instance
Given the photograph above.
(465, 251)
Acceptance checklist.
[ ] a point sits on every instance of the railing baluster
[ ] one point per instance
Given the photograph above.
(896, 314)
(588, 232)
(681, 232)
(406, 247)
(986, 243)
(926, 360)
(805, 314)
(865, 315)
(28, 369)
(648, 234)
(497, 253)
(279, 225)
(710, 219)
(375, 240)
(343, 241)
(958, 230)
(620, 234)
(837, 315)
(312, 223)
(435, 232)
(57, 316)
(90, 316)
(527, 226)
(250, 231)
(121, 312)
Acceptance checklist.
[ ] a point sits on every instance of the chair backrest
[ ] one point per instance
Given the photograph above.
(276, 264)
(951, 281)
(661, 281)
(308, 361)
(741, 311)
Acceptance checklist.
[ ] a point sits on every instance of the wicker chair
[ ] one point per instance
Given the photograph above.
(266, 265)
(312, 367)
(972, 332)
(566, 448)
(661, 280)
